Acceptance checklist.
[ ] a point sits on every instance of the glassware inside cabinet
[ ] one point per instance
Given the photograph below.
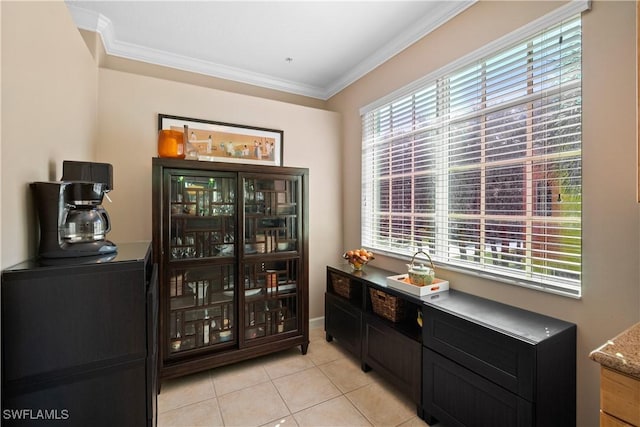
(201, 307)
(271, 208)
(274, 308)
(202, 217)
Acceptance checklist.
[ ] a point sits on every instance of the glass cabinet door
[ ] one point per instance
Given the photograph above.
(271, 215)
(271, 298)
(271, 266)
(201, 244)
(202, 216)
(201, 307)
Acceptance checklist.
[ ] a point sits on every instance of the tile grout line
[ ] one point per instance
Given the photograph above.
(281, 398)
(342, 393)
(316, 366)
(184, 405)
(215, 393)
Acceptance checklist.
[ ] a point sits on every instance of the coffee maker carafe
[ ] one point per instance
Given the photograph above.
(84, 219)
(86, 225)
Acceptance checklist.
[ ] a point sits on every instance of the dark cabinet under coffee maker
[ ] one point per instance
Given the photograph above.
(79, 340)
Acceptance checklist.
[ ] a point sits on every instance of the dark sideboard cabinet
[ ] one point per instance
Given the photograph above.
(491, 364)
(79, 340)
(474, 362)
(392, 346)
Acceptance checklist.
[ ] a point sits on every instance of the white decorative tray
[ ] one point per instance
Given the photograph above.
(401, 282)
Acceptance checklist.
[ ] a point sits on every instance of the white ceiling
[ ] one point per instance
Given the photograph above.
(330, 43)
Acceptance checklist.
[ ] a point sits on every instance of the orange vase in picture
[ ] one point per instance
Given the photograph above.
(171, 144)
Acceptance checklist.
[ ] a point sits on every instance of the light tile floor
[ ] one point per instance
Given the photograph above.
(325, 387)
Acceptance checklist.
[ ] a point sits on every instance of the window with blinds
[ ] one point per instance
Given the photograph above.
(481, 166)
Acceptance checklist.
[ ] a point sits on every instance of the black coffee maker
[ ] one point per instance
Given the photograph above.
(73, 222)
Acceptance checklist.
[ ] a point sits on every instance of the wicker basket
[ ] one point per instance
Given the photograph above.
(387, 306)
(341, 285)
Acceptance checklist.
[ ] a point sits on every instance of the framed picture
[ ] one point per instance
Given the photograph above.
(226, 142)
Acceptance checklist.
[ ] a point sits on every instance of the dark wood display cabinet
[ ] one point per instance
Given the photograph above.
(79, 340)
(474, 362)
(231, 245)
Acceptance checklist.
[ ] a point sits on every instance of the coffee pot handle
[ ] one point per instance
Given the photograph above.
(102, 211)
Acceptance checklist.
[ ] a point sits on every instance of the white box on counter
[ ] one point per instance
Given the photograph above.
(401, 283)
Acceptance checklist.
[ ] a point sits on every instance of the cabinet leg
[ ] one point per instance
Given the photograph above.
(429, 419)
(421, 414)
(328, 337)
(365, 367)
(304, 347)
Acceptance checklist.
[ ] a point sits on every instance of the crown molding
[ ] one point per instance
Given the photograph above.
(411, 35)
(566, 11)
(96, 22)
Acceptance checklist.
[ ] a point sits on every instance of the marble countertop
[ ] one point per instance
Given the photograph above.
(621, 353)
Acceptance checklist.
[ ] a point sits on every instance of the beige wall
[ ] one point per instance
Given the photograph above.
(1, 265)
(142, 68)
(49, 100)
(610, 213)
(128, 116)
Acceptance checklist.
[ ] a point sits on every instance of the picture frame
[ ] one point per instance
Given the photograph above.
(226, 142)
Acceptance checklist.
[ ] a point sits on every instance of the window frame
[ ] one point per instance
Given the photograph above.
(442, 212)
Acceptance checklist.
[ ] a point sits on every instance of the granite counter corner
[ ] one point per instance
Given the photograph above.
(621, 353)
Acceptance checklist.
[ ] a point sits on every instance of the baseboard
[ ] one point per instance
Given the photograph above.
(316, 323)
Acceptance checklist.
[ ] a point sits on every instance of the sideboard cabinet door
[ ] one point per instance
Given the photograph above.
(386, 350)
(463, 398)
(343, 321)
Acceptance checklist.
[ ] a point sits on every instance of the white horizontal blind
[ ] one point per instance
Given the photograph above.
(481, 167)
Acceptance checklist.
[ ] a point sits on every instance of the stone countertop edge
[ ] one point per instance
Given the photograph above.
(621, 353)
